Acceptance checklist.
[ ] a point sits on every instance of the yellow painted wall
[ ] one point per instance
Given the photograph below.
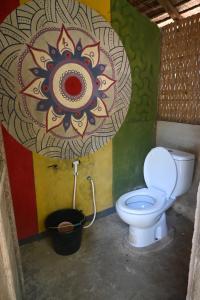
(102, 6)
(54, 188)
(23, 1)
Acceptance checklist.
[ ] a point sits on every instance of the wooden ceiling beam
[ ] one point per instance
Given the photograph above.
(170, 9)
(153, 9)
(185, 5)
(160, 17)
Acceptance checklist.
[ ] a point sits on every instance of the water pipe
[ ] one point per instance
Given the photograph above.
(75, 167)
(89, 178)
(93, 201)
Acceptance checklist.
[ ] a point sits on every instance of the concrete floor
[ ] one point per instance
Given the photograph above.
(103, 269)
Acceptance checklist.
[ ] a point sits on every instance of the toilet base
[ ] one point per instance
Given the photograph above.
(142, 237)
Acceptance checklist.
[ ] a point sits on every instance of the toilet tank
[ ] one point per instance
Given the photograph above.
(185, 167)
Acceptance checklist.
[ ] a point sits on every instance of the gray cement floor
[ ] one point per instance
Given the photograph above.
(103, 269)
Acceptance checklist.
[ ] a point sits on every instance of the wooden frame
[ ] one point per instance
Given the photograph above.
(194, 271)
(11, 283)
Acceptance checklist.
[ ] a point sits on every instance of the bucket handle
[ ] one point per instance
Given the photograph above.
(68, 225)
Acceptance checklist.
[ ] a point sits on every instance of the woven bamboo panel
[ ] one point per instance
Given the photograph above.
(179, 96)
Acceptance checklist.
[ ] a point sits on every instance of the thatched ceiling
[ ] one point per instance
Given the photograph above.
(163, 12)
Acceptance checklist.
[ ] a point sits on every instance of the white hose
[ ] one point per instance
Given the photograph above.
(74, 191)
(94, 203)
(93, 198)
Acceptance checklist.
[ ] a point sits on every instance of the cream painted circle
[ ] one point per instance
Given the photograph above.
(64, 100)
(29, 120)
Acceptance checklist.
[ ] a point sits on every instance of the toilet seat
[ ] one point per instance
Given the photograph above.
(160, 175)
(160, 170)
(143, 201)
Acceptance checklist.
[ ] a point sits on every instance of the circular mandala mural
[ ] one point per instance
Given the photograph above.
(65, 78)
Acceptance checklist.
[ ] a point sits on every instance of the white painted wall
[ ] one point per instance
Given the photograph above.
(185, 137)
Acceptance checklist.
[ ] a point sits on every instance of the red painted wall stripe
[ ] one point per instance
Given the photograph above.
(6, 7)
(21, 175)
(20, 169)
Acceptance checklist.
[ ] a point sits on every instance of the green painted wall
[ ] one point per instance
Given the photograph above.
(141, 38)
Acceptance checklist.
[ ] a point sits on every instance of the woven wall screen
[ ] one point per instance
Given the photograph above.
(179, 96)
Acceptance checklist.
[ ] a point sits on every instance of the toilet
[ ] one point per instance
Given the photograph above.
(168, 174)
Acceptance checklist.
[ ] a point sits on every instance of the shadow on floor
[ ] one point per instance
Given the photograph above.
(103, 269)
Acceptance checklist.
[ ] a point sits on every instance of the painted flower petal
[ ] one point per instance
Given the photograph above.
(39, 72)
(92, 52)
(66, 121)
(100, 110)
(34, 89)
(43, 105)
(65, 42)
(99, 69)
(41, 57)
(53, 119)
(78, 49)
(105, 82)
(53, 52)
(91, 118)
(80, 124)
(102, 95)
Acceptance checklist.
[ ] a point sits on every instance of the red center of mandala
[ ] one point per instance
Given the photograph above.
(73, 86)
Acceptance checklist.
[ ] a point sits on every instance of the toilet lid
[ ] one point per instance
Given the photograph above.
(160, 170)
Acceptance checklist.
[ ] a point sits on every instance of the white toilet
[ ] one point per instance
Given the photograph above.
(168, 174)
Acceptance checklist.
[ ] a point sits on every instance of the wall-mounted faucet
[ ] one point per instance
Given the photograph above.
(75, 166)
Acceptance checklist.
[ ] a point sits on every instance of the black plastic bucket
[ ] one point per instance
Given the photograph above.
(65, 243)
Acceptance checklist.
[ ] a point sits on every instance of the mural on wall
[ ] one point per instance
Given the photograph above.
(65, 79)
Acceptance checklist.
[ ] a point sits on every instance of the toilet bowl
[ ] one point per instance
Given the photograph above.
(168, 174)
